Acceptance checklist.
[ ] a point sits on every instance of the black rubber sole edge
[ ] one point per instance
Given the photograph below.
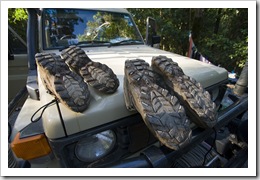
(68, 87)
(195, 99)
(96, 74)
(161, 112)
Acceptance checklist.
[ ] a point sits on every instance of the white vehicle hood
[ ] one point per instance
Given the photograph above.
(107, 108)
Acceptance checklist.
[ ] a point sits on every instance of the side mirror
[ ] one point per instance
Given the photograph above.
(156, 39)
(151, 34)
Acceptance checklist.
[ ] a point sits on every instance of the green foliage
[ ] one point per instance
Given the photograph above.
(219, 34)
(172, 26)
(107, 27)
(17, 19)
(224, 41)
(20, 14)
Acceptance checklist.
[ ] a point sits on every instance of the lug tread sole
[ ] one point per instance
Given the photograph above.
(161, 112)
(68, 87)
(100, 77)
(196, 100)
(96, 74)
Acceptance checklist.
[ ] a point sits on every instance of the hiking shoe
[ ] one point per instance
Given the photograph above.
(196, 100)
(68, 87)
(96, 74)
(161, 112)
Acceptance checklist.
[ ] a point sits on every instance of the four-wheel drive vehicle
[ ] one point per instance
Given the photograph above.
(107, 134)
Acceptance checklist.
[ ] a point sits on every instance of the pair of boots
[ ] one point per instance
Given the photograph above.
(163, 95)
(67, 77)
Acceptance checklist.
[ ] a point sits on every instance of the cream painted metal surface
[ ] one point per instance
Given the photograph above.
(17, 74)
(102, 109)
(107, 108)
(24, 118)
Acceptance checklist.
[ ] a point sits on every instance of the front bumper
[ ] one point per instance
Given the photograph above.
(155, 157)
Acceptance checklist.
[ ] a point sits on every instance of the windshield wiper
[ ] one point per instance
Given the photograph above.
(91, 42)
(97, 42)
(88, 43)
(126, 42)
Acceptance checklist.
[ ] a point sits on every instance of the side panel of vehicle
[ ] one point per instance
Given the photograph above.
(17, 64)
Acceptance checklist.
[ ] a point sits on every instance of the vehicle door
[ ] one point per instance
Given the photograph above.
(17, 63)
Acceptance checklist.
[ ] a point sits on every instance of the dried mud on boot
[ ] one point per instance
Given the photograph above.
(196, 100)
(96, 74)
(68, 87)
(161, 112)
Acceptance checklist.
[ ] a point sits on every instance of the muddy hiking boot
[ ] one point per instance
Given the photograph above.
(96, 74)
(161, 112)
(196, 100)
(67, 86)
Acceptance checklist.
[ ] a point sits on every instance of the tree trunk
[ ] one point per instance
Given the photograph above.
(197, 25)
(242, 82)
(217, 21)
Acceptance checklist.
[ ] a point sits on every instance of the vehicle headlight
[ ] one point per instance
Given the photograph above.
(96, 146)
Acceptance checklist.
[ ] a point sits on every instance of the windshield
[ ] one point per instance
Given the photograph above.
(65, 27)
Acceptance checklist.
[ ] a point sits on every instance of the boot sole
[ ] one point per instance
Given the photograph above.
(196, 100)
(100, 77)
(161, 112)
(96, 74)
(68, 87)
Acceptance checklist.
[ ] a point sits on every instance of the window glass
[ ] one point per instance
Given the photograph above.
(64, 27)
(15, 46)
